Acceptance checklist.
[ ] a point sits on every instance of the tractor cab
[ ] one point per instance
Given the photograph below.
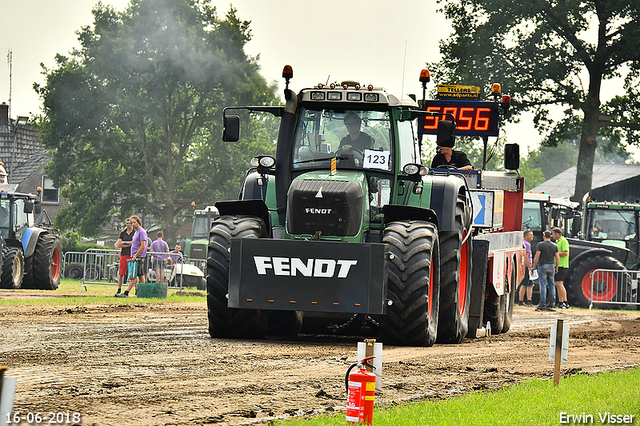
(614, 224)
(16, 215)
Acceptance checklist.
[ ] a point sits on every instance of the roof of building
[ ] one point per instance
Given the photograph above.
(563, 184)
(29, 166)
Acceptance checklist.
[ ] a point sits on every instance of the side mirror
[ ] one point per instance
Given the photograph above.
(446, 135)
(28, 207)
(37, 208)
(512, 156)
(231, 129)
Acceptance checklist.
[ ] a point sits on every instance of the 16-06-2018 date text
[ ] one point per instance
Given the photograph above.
(51, 418)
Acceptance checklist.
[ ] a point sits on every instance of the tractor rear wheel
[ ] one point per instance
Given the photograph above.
(43, 268)
(223, 321)
(414, 284)
(455, 281)
(47, 262)
(12, 267)
(607, 287)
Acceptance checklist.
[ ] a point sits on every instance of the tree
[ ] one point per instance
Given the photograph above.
(133, 118)
(546, 52)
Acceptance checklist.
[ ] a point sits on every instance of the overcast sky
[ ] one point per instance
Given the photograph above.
(372, 41)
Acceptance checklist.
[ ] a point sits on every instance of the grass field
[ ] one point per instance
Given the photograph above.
(581, 399)
(71, 292)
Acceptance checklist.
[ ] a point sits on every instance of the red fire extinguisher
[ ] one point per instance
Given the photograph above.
(361, 387)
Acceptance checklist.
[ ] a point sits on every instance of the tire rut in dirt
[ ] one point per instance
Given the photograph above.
(413, 285)
(578, 285)
(223, 321)
(12, 268)
(455, 282)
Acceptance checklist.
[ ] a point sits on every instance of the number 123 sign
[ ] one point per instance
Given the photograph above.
(472, 118)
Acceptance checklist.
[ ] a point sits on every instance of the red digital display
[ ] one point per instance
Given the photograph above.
(472, 118)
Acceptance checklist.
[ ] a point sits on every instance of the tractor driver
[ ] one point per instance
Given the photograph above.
(449, 157)
(355, 139)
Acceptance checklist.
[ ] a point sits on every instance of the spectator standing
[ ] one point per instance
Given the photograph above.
(176, 255)
(138, 254)
(546, 259)
(160, 246)
(563, 267)
(124, 245)
(526, 286)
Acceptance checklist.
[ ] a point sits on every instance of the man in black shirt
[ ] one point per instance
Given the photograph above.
(447, 156)
(124, 244)
(355, 139)
(547, 259)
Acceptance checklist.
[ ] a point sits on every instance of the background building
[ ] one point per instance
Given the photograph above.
(611, 182)
(24, 157)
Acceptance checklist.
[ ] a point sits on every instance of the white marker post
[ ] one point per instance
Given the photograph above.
(7, 393)
(372, 348)
(558, 347)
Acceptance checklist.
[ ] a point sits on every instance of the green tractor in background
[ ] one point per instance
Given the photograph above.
(196, 245)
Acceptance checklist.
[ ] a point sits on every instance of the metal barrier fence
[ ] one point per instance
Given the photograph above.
(100, 266)
(614, 287)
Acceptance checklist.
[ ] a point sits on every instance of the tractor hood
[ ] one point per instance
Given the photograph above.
(577, 246)
(332, 205)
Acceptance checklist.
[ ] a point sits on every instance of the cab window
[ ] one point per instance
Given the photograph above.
(356, 138)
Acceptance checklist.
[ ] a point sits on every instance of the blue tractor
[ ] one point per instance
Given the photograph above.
(31, 251)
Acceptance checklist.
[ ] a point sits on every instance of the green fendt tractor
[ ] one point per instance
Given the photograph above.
(352, 231)
(32, 252)
(196, 245)
(602, 236)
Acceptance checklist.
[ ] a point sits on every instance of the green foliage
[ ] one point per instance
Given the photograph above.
(548, 161)
(72, 241)
(541, 51)
(133, 117)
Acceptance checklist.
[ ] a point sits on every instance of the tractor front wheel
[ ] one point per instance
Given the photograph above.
(12, 267)
(224, 321)
(414, 284)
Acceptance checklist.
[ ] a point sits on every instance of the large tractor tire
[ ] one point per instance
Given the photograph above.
(607, 287)
(43, 268)
(47, 262)
(223, 321)
(12, 267)
(510, 298)
(414, 284)
(455, 280)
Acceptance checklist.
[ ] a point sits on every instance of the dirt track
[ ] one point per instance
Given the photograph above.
(149, 364)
